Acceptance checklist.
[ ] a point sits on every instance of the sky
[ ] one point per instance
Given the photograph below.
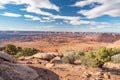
(60, 15)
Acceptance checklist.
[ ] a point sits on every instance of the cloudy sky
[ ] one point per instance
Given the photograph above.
(60, 15)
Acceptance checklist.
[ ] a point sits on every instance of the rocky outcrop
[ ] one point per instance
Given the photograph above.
(12, 71)
(56, 60)
(112, 65)
(6, 56)
(44, 56)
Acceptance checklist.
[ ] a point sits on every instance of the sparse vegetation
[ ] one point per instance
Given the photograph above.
(70, 56)
(11, 49)
(99, 57)
(68, 59)
(27, 52)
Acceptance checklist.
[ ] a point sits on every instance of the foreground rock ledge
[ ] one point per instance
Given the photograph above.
(12, 71)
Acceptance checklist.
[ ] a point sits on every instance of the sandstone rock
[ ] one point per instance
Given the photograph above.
(86, 75)
(21, 58)
(6, 56)
(17, 72)
(36, 62)
(28, 62)
(112, 65)
(49, 65)
(28, 57)
(53, 53)
(44, 56)
(56, 60)
(44, 62)
(1, 78)
(99, 73)
(107, 76)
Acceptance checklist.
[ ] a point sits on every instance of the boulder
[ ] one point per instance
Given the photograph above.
(28, 62)
(107, 76)
(21, 58)
(11, 71)
(1, 78)
(56, 60)
(6, 56)
(44, 56)
(49, 65)
(86, 75)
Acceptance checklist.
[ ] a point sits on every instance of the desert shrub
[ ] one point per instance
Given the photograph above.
(11, 49)
(27, 52)
(19, 49)
(68, 59)
(75, 54)
(91, 62)
(99, 57)
(104, 54)
(90, 55)
(70, 56)
(78, 54)
(115, 58)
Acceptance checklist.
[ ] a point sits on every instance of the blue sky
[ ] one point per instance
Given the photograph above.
(60, 15)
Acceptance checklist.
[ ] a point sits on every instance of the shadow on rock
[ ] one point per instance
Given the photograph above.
(45, 74)
(112, 70)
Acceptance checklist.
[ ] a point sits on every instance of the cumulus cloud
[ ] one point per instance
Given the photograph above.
(34, 18)
(33, 6)
(106, 7)
(10, 14)
(73, 20)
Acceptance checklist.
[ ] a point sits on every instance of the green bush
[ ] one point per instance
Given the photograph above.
(70, 56)
(116, 58)
(104, 54)
(78, 54)
(75, 54)
(99, 57)
(91, 62)
(27, 52)
(68, 59)
(90, 55)
(11, 49)
(19, 49)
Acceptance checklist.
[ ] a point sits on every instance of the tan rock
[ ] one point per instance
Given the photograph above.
(44, 56)
(6, 56)
(1, 78)
(49, 65)
(36, 61)
(56, 60)
(28, 62)
(21, 58)
(107, 76)
(86, 75)
(17, 72)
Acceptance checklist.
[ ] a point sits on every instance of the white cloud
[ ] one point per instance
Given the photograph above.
(33, 6)
(100, 26)
(107, 7)
(10, 14)
(1, 7)
(34, 18)
(73, 20)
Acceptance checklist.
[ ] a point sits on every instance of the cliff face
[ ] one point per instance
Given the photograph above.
(59, 41)
(104, 37)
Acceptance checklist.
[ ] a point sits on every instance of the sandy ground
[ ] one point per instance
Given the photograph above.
(73, 72)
